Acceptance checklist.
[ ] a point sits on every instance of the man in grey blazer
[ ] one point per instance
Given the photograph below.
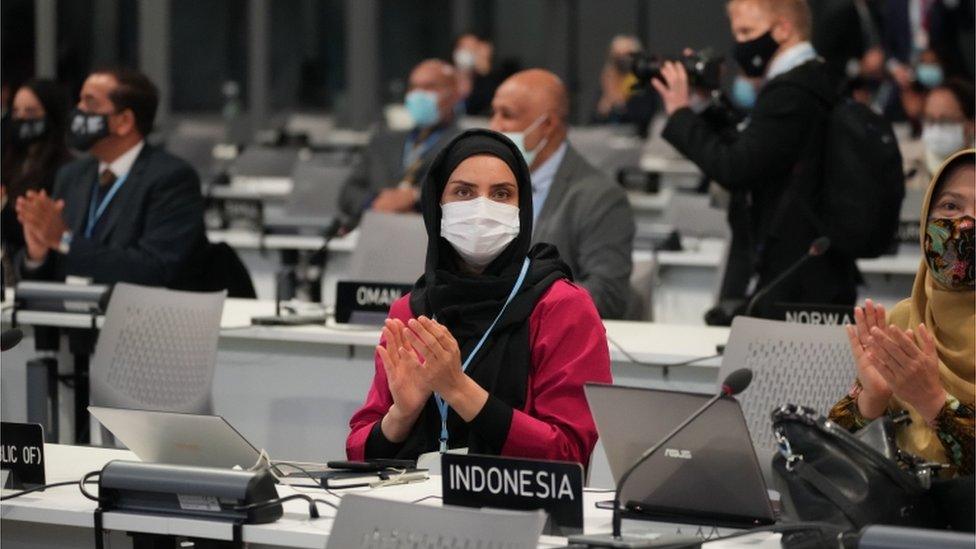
(387, 177)
(577, 208)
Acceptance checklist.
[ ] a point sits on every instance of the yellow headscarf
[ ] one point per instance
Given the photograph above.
(950, 317)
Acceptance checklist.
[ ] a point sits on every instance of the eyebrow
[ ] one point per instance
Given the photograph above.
(469, 184)
(952, 194)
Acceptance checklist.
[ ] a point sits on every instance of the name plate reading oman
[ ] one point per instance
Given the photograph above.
(523, 484)
(360, 302)
(22, 454)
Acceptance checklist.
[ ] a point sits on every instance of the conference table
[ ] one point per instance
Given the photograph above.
(292, 389)
(62, 517)
(685, 282)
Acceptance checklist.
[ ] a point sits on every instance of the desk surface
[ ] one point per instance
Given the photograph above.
(646, 341)
(66, 506)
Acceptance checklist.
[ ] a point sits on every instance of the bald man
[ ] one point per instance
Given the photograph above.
(387, 177)
(777, 159)
(576, 207)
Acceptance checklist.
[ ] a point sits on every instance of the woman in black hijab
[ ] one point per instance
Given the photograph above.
(492, 347)
(35, 151)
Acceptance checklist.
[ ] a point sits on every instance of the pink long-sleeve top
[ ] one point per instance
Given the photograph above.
(568, 348)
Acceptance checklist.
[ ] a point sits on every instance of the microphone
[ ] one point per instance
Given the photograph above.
(817, 248)
(734, 383)
(10, 338)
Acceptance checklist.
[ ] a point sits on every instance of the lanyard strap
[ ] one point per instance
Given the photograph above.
(441, 403)
(413, 150)
(95, 210)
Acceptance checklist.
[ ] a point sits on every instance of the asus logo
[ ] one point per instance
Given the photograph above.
(678, 454)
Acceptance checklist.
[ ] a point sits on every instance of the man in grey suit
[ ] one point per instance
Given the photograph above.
(577, 208)
(388, 175)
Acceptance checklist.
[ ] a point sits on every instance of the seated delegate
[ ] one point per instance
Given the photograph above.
(920, 356)
(491, 348)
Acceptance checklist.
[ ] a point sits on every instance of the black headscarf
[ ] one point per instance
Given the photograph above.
(467, 304)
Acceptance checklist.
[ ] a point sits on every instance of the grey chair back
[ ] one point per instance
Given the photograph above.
(791, 363)
(157, 350)
(260, 161)
(314, 200)
(392, 248)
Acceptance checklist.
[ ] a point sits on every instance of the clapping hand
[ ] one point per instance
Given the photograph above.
(891, 361)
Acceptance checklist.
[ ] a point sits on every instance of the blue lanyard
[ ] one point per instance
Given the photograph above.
(412, 150)
(441, 404)
(96, 210)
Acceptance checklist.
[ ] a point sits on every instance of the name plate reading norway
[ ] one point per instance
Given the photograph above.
(22, 454)
(809, 313)
(524, 484)
(360, 302)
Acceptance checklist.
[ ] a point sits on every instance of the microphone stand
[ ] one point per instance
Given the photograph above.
(817, 248)
(615, 540)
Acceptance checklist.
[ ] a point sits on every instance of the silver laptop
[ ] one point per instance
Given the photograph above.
(178, 439)
(707, 474)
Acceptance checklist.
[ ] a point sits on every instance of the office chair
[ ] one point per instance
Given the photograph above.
(157, 350)
(392, 248)
(791, 363)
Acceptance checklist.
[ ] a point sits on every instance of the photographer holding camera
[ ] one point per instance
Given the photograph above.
(777, 155)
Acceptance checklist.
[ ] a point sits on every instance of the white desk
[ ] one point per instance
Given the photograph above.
(688, 281)
(62, 517)
(293, 389)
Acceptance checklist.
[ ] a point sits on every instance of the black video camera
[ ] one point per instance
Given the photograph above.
(704, 70)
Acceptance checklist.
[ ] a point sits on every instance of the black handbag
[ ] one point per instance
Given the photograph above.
(824, 473)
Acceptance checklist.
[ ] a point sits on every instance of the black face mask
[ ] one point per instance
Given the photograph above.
(24, 131)
(754, 55)
(622, 64)
(86, 129)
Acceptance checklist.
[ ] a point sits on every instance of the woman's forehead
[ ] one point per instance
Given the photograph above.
(483, 167)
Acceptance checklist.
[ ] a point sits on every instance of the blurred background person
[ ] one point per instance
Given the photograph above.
(948, 126)
(477, 77)
(577, 207)
(387, 176)
(35, 152)
(619, 103)
(772, 43)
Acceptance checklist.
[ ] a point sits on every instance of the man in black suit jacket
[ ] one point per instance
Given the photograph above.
(130, 212)
(781, 148)
(387, 177)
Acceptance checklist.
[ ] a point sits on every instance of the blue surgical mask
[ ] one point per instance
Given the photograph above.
(422, 106)
(743, 93)
(519, 139)
(929, 74)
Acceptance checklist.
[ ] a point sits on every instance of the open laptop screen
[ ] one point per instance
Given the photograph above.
(707, 470)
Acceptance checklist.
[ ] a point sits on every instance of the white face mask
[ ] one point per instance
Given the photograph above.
(464, 59)
(943, 139)
(479, 229)
(519, 139)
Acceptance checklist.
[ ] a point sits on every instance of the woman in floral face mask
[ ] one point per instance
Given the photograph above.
(492, 347)
(919, 357)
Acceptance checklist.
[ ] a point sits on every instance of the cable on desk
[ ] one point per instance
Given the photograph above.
(313, 511)
(665, 365)
(425, 498)
(85, 480)
(79, 483)
(310, 476)
(38, 489)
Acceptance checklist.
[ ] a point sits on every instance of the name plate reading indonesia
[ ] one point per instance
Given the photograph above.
(820, 314)
(21, 454)
(522, 484)
(366, 302)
